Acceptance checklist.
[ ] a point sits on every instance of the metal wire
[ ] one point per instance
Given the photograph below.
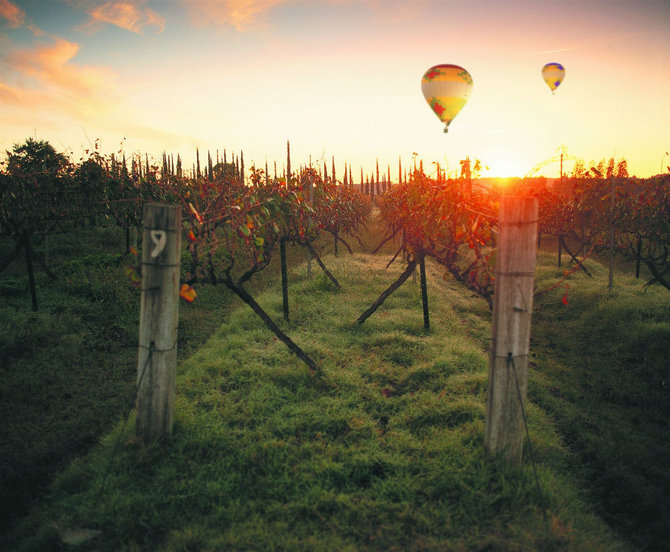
(115, 450)
(512, 365)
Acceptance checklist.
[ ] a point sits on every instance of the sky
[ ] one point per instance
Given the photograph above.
(339, 79)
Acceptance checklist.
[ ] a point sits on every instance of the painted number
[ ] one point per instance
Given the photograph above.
(159, 237)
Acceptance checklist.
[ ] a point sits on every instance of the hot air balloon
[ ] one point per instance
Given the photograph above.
(553, 74)
(446, 89)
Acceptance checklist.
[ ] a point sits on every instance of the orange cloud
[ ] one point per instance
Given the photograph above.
(237, 13)
(131, 16)
(10, 95)
(12, 13)
(48, 74)
(51, 66)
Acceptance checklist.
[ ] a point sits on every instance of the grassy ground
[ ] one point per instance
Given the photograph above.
(601, 371)
(383, 451)
(67, 372)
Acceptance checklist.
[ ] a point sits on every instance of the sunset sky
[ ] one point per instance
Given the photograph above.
(339, 78)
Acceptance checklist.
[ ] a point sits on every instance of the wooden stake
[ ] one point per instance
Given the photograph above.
(31, 272)
(284, 277)
(512, 306)
(310, 191)
(157, 356)
(610, 284)
(424, 293)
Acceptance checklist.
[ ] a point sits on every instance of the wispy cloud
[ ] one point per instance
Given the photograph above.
(240, 14)
(52, 66)
(12, 13)
(10, 95)
(133, 16)
(17, 17)
(555, 51)
(48, 74)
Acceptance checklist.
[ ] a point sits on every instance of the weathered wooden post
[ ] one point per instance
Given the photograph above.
(31, 271)
(512, 306)
(310, 190)
(424, 292)
(157, 355)
(284, 276)
(610, 284)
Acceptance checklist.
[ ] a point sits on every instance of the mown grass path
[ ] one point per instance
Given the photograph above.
(382, 451)
(600, 370)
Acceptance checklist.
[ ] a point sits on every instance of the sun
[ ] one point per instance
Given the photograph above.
(505, 167)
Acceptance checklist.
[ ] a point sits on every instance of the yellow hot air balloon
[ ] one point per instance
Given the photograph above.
(553, 74)
(446, 89)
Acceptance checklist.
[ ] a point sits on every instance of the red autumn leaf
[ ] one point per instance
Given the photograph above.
(187, 293)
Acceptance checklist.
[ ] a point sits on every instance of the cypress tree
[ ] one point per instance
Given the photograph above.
(288, 161)
(334, 177)
(210, 171)
(124, 168)
(241, 167)
(197, 161)
(179, 172)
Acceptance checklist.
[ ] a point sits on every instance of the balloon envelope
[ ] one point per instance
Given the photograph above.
(553, 74)
(446, 89)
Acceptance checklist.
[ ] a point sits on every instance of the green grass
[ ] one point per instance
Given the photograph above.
(68, 371)
(601, 371)
(382, 451)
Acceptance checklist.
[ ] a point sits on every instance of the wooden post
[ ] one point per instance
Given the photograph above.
(638, 257)
(31, 271)
(424, 292)
(284, 277)
(310, 189)
(157, 356)
(610, 283)
(512, 306)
